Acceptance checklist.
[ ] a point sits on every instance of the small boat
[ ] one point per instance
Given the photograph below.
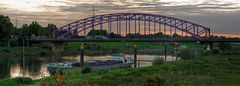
(53, 67)
(121, 58)
(117, 61)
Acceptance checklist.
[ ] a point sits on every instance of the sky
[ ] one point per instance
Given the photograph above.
(222, 16)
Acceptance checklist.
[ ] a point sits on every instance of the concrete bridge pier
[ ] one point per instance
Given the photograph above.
(57, 48)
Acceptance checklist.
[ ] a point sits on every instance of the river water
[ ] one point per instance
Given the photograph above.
(37, 68)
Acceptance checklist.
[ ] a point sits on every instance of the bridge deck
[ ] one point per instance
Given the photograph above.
(134, 40)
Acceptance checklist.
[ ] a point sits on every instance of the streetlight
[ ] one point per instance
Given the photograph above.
(15, 37)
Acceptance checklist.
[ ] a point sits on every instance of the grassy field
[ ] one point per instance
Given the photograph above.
(16, 52)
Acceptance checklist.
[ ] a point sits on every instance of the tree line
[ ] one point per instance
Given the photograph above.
(27, 30)
(130, 35)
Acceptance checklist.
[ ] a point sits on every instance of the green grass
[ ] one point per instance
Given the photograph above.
(108, 48)
(19, 81)
(219, 70)
(76, 45)
(16, 52)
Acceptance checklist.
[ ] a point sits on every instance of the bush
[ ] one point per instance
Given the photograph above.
(86, 70)
(158, 61)
(224, 46)
(215, 51)
(6, 50)
(153, 80)
(191, 53)
(19, 81)
(186, 54)
(42, 54)
(23, 80)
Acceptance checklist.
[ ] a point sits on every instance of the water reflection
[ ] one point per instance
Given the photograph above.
(4, 68)
(37, 67)
(10, 68)
(17, 71)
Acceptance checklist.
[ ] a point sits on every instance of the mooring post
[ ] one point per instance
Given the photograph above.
(165, 51)
(82, 56)
(135, 56)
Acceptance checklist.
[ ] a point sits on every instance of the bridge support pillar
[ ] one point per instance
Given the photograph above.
(135, 56)
(57, 47)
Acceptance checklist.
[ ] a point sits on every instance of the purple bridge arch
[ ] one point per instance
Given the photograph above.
(135, 23)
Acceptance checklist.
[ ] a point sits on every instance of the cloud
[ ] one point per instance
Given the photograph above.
(213, 13)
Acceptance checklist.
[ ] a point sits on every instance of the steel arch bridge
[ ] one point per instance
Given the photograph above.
(134, 23)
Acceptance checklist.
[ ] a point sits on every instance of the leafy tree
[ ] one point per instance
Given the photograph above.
(49, 29)
(113, 35)
(159, 34)
(176, 35)
(35, 28)
(25, 32)
(187, 54)
(98, 33)
(6, 27)
(130, 35)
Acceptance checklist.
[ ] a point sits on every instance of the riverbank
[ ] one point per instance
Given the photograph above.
(94, 48)
(217, 68)
(211, 70)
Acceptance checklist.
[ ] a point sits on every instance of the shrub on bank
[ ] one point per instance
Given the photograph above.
(86, 70)
(191, 53)
(16, 81)
(186, 54)
(153, 80)
(158, 61)
(23, 80)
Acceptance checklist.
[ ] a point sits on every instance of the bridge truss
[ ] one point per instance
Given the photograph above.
(132, 23)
